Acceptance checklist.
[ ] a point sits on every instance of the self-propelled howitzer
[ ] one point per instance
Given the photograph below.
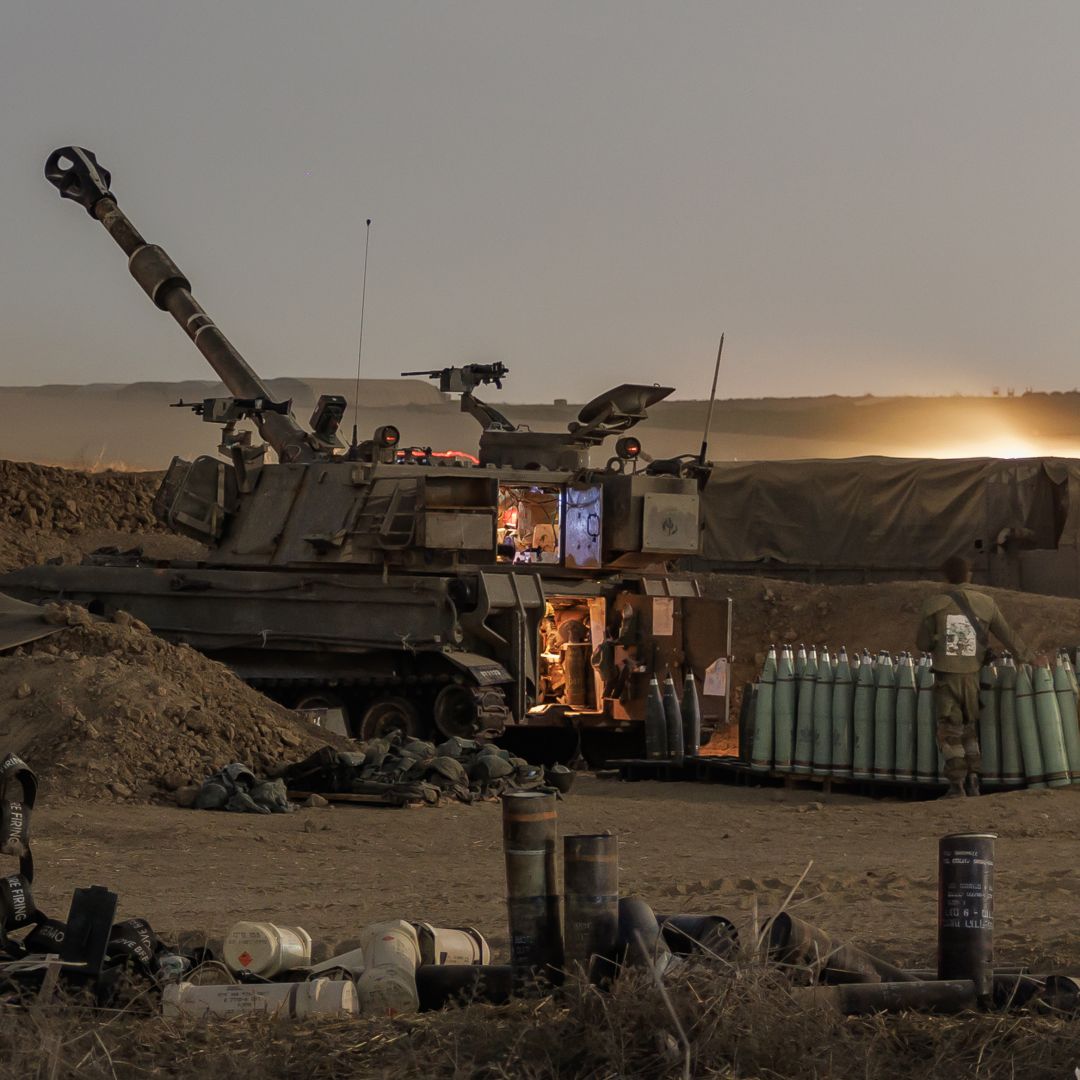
(530, 588)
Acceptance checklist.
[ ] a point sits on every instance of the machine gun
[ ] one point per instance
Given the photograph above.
(76, 174)
(463, 381)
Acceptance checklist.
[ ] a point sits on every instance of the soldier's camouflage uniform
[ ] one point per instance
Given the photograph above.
(957, 646)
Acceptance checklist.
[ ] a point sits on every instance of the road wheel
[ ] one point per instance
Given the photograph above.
(382, 717)
(455, 711)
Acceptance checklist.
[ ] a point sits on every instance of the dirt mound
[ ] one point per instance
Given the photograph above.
(52, 513)
(108, 709)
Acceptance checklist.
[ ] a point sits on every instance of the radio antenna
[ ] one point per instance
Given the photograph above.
(712, 403)
(360, 347)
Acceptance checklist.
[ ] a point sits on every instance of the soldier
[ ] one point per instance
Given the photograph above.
(955, 627)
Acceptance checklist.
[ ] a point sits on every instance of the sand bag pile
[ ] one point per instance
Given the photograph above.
(106, 709)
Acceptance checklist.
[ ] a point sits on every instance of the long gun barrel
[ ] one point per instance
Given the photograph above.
(77, 175)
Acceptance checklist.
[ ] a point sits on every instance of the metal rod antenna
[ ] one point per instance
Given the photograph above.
(360, 347)
(712, 403)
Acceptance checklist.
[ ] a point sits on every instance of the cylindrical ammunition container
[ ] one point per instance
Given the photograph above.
(439, 985)
(784, 711)
(265, 949)
(451, 945)
(1027, 729)
(530, 836)
(1015, 991)
(842, 703)
(292, 1000)
(796, 944)
(862, 727)
(591, 904)
(1061, 993)
(906, 707)
(352, 961)
(691, 714)
(655, 723)
(712, 935)
(821, 748)
(952, 996)
(803, 753)
(387, 985)
(1066, 699)
(989, 725)
(578, 673)
(761, 756)
(1048, 722)
(926, 770)
(674, 722)
(884, 718)
(966, 910)
(641, 944)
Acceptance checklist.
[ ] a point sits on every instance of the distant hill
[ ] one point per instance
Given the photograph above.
(131, 425)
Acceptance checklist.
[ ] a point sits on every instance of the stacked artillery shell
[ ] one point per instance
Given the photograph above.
(1048, 722)
(906, 707)
(1012, 769)
(1065, 692)
(1027, 729)
(691, 714)
(989, 725)
(674, 721)
(530, 834)
(821, 748)
(761, 755)
(862, 727)
(655, 723)
(885, 719)
(842, 705)
(591, 904)
(804, 715)
(800, 663)
(926, 766)
(784, 709)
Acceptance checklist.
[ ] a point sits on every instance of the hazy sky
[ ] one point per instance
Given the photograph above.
(867, 197)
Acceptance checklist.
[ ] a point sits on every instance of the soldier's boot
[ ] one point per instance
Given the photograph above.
(972, 785)
(956, 790)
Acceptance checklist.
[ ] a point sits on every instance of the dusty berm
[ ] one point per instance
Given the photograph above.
(104, 709)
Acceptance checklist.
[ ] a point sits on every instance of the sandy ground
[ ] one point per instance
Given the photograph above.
(685, 847)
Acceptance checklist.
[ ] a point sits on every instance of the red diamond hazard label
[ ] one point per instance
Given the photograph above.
(245, 959)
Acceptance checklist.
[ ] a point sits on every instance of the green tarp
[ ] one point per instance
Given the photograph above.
(887, 513)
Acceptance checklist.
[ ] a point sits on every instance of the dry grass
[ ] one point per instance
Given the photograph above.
(740, 1022)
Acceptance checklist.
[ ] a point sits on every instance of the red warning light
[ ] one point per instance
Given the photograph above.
(628, 448)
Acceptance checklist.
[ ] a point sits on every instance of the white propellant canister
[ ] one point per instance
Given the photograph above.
(388, 984)
(451, 945)
(317, 997)
(261, 948)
